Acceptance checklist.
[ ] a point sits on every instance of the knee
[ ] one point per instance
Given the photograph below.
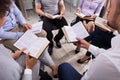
(63, 66)
(43, 33)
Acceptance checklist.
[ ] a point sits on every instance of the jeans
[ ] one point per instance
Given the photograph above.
(67, 72)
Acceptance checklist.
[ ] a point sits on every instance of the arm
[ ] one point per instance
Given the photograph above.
(30, 62)
(93, 49)
(99, 8)
(62, 7)
(20, 17)
(10, 35)
(38, 9)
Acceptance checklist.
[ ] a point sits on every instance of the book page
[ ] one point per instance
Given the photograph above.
(99, 22)
(80, 30)
(30, 41)
(80, 15)
(36, 27)
(55, 16)
(69, 33)
(77, 30)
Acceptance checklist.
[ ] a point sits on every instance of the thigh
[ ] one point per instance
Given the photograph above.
(59, 23)
(67, 72)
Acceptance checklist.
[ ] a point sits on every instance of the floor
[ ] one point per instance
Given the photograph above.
(66, 53)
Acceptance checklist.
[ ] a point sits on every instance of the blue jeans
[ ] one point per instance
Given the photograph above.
(67, 72)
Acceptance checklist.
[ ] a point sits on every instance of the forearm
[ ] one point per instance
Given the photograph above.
(10, 35)
(62, 7)
(38, 9)
(95, 50)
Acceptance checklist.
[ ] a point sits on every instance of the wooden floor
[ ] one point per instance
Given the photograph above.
(66, 53)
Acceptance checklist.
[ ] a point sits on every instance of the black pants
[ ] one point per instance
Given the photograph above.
(100, 39)
(48, 26)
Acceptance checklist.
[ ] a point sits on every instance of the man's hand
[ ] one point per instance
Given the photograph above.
(27, 26)
(93, 16)
(82, 43)
(30, 61)
(48, 15)
(78, 11)
(18, 53)
(105, 23)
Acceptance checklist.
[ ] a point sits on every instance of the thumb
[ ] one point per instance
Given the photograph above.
(78, 38)
(27, 56)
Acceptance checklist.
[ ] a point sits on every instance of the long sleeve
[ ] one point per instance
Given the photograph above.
(18, 15)
(99, 8)
(95, 50)
(27, 74)
(10, 35)
(80, 4)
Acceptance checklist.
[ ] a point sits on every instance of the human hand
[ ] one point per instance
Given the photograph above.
(48, 15)
(30, 61)
(78, 11)
(18, 53)
(105, 23)
(93, 16)
(82, 43)
(27, 26)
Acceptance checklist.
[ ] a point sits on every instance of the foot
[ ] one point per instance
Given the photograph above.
(77, 51)
(58, 44)
(55, 71)
(84, 59)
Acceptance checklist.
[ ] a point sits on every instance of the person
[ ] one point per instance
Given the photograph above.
(9, 38)
(106, 64)
(47, 9)
(9, 65)
(90, 8)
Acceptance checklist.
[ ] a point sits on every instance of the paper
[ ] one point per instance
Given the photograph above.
(77, 30)
(35, 45)
(36, 27)
(99, 22)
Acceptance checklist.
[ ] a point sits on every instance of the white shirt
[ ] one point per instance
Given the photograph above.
(106, 65)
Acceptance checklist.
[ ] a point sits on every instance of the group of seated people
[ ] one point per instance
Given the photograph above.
(101, 44)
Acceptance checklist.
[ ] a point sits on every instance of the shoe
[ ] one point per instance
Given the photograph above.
(81, 62)
(50, 50)
(58, 44)
(77, 51)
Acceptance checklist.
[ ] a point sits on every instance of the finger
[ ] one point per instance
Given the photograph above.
(23, 49)
(78, 38)
(27, 56)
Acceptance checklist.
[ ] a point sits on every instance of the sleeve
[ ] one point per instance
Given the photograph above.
(10, 35)
(99, 8)
(80, 4)
(18, 14)
(27, 74)
(95, 50)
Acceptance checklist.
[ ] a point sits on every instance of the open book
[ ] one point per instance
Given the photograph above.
(52, 16)
(35, 45)
(77, 30)
(99, 22)
(36, 27)
(83, 16)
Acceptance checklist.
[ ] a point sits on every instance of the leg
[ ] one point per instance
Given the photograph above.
(59, 23)
(47, 60)
(67, 72)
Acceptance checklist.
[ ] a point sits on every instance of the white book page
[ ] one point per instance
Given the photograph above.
(26, 41)
(71, 34)
(55, 16)
(36, 27)
(80, 14)
(34, 49)
(80, 30)
(99, 22)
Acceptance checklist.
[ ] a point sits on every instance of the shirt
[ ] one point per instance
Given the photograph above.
(49, 6)
(106, 65)
(89, 8)
(10, 23)
(10, 69)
